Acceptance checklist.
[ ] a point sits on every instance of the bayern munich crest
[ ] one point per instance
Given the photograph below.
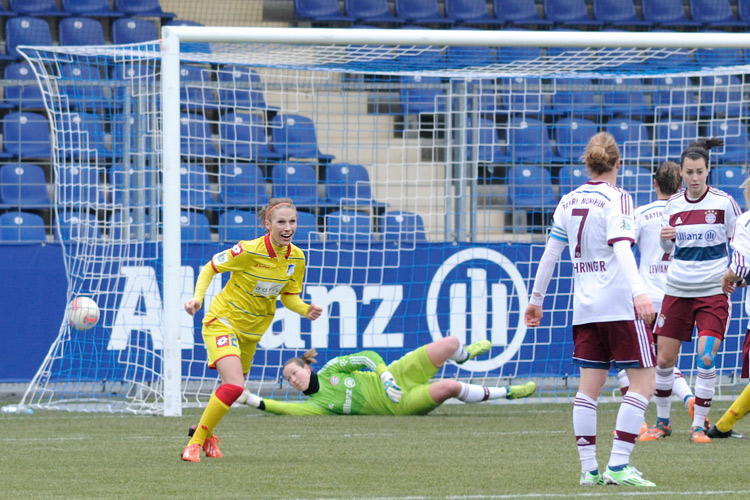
(710, 217)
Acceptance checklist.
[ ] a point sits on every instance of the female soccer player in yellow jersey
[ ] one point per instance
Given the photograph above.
(263, 270)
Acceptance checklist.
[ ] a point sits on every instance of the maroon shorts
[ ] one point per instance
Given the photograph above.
(679, 314)
(624, 344)
(746, 355)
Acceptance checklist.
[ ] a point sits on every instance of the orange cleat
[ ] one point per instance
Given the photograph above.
(698, 435)
(192, 453)
(656, 432)
(691, 411)
(211, 446)
(644, 429)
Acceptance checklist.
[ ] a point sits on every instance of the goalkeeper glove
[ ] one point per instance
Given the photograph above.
(392, 390)
(250, 399)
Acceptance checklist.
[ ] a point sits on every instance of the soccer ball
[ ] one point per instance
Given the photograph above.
(83, 313)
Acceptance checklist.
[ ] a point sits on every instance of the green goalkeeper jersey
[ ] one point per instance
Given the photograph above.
(343, 389)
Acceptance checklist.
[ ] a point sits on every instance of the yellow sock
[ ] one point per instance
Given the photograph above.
(739, 409)
(212, 415)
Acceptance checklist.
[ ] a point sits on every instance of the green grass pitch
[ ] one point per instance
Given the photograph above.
(482, 451)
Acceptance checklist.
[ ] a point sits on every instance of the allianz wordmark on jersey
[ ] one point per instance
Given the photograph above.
(474, 294)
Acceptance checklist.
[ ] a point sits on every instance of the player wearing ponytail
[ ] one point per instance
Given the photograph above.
(262, 270)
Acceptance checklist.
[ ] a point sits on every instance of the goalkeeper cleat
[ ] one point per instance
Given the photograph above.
(521, 391)
(714, 432)
(691, 411)
(192, 453)
(698, 435)
(211, 446)
(591, 478)
(627, 476)
(476, 349)
(659, 430)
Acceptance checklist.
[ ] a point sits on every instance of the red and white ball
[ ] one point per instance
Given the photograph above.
(83, 313)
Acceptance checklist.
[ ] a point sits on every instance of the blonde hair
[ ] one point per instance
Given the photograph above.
(746, 187)
(306, 359)
(601, 153)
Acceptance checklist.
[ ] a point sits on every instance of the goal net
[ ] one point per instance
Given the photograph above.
(425, 166)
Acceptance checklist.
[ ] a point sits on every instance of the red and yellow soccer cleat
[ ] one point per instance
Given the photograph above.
(211, 446)
(192, 453)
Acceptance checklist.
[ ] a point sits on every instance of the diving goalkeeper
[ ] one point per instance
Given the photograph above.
(362, 384)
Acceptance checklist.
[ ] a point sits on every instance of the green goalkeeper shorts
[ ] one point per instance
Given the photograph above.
(413, 373)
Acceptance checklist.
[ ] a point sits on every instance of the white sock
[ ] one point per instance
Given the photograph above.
(623, 381)
(584, 427)
(663, 396)
(629, 420)
(472, 393)
(460, 354)
(680, 387)
(705, 387)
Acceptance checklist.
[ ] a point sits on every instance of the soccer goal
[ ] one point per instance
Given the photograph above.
(425, 165)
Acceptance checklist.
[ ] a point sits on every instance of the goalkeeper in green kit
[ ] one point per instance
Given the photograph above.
(361, 383)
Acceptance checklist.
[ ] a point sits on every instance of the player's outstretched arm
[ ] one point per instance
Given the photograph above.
(279, 408)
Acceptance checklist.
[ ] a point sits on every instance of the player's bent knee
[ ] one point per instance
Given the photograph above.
(706, 358)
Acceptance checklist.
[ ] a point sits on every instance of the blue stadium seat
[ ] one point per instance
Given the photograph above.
(513, 54)
(407, 227)
(85, 88)
(241, 87)
(239, 225)
(81, 31)
(569, 13)
(136, 187)
(571, 98)
(196, 89)
(90, 8)
(348, 184)
(242, 185)
(743, 10)
(671, 138)
(530, 187)
(632, 136)
(194, 227)
(130, 79)
(293, 136)
(82, 135)
(242, 136)
(23, 185)
(666, 13)
(719, 57)
(77, 226)
(715, 13)
(371, 11)
(133, 30)
(458, 56)
(736, 148)
(529, 142)
(195, 190)
(571, 137)
(472, 12)
(348, 226)
(522, 96)
(26, 135)
(625, 96)
(571, 176)
(489, 147)
(421, 12)
(122, 229)
(143, 8)
(675, 98)
(422, 95)
(638, 182)
(728, 178)
(195, 136)
(325, 11)
(520, 12)
(79, 185)
(141, 133)
(23, 227)
(298, 182)
(307, 228)
(26, 95)
(26, 31)
(37, 8)
(618, 13)
(722, 97)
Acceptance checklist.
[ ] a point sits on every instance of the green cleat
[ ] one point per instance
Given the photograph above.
(628, 476)
(521, 391)
(591, 478)
(476, 349)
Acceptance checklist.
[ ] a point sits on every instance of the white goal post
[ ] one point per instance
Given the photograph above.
(438, 121)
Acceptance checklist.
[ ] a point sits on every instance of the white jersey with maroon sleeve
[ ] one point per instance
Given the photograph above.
(704, 227)
(654, 260)
(590, 219)
(740, 262)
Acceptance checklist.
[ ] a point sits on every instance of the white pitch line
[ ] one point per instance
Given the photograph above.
(597, 493)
